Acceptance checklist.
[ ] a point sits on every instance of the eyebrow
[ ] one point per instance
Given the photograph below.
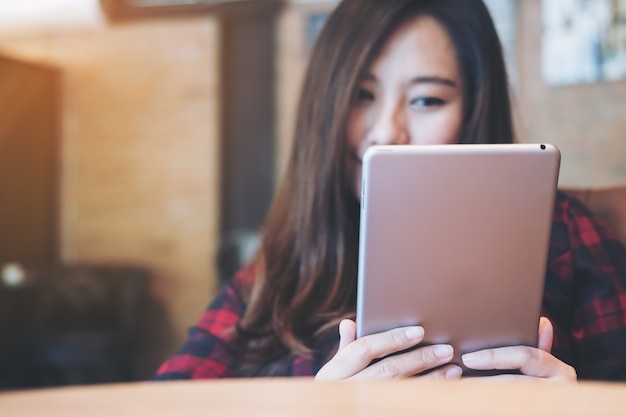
(420, 80)
(433, 79)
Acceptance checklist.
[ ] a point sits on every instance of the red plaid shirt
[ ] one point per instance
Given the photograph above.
(584, 297)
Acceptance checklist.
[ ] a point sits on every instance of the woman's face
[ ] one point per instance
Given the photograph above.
(411, 94)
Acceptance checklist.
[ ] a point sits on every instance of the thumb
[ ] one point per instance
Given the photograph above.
(546, 334)
(347, 333)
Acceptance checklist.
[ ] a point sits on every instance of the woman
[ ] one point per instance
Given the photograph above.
(396, 72)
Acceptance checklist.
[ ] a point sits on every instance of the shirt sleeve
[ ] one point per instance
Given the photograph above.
(585, 294)
(206, 353)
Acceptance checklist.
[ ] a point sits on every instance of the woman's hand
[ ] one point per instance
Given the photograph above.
(531, 362)
(353, 359)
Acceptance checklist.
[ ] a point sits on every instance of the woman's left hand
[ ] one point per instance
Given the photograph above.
(531, 362)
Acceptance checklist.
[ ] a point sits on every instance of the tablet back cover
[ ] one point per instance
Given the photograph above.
(455, 238)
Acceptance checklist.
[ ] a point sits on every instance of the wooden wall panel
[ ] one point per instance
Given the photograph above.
(140, 160)
(585, 121)
(29, 138)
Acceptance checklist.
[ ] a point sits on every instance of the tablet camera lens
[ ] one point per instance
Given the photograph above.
(542, 147)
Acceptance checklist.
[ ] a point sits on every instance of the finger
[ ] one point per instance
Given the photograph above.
(347, 333)
(505, 378)
(505, 358)
(530, 361)
(449, 372)
(408, 363)
(356, 356)
(546, 334)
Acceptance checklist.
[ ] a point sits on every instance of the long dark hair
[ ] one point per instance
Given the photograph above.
(305, 279)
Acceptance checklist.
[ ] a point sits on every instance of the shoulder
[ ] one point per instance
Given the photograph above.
(577, 219)
(579, 236)
(230, 303)
(575, 228)
(567, 207)
(208, 353)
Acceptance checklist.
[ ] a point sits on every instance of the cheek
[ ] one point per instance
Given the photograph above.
(437, 129)
(454, 122)
(450, 130)
(355, 130)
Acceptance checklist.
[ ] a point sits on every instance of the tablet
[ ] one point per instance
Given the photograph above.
(455, 238)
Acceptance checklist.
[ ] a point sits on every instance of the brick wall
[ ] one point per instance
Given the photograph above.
(587, 121)
(139, 150)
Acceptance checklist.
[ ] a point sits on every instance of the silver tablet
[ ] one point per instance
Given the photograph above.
(455, 238)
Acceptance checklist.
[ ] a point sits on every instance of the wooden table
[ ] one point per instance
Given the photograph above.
(304, 397)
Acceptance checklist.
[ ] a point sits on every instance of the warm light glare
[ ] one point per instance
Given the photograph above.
(25, 16)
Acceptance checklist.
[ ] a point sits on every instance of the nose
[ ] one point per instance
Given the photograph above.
(389, 127)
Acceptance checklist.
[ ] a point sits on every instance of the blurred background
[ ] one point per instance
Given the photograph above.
(141, 141)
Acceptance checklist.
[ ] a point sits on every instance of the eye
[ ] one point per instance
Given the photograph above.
(363, 95)
(427, 102)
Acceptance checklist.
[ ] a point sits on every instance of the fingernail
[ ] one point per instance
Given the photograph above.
(415, 332)
(471, 358)
(454, 372)
(443, 351)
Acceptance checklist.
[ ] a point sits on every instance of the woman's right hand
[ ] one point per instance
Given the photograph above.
(354, 357)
